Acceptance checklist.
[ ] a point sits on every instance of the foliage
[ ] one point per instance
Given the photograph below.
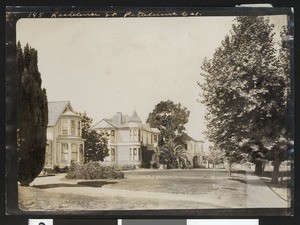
(146, 157)
(215, 156)
(245, 92)
(174, 156)
(93, 170)
(169, 118)
(95, 148)
(33, 116)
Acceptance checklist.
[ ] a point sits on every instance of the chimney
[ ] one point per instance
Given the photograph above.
(119, 118)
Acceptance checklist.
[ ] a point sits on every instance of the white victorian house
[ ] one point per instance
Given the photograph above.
(64, 142)
(126, 138)
(196, 152)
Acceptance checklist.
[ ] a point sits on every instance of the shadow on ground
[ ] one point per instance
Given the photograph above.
(238, 179)
(281, 174)
(96, 184)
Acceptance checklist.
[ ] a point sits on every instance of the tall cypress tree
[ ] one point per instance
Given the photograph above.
(33, 116)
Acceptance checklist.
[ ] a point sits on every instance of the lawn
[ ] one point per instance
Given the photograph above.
(141, 189)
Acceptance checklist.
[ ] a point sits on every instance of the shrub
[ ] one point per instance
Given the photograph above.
(93, 170)
(155, 165)
(145, 164)
(57, 169)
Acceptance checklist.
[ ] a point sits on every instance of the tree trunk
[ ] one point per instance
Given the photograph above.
(258, 168)
(229, 170)
(275, 174)
(263, 166)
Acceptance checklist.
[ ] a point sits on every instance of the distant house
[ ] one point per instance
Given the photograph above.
(194, 149)
(64, 142)
(126, 138)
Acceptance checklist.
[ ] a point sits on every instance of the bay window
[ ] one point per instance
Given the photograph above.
(74, 152)
(64, 152)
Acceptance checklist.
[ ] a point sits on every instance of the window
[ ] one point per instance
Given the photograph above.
(74, 155)
(112, 154)
(64, 127)
(112, 133)
(73, 127)
(134, 151)
(139, 135)
(81, 152)
(64, 152)
(130, 133)
(134, 132)
(155, 138)
(78, 128)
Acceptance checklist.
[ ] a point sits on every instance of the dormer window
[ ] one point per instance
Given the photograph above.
(112, 133)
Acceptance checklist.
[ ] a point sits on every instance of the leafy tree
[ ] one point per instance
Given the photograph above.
(215, 156)
(279, 148)
(95, 147)
(33, 116)
(174, 156)
(245, 92)
(170, 119)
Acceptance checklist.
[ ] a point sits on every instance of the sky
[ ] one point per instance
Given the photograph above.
(108, 65)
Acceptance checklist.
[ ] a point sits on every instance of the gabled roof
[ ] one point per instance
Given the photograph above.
(126, 122)
(135, 118)
(55, 109)
(113, 120)
(189, 138)
(106, 120)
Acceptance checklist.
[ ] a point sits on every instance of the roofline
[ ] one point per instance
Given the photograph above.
(68, 103)
(105, 121)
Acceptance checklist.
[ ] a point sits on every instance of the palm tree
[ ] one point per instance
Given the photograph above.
(174, 156)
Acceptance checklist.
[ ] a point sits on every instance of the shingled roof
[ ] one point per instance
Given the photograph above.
(125, 122)
(135, 118)
(55, 109)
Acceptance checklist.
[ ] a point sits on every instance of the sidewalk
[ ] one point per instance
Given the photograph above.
(259, 195)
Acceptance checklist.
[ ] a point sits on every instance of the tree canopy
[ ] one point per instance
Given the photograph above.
(245, 92)
(95, 147)
(170, 119)
(32, 116)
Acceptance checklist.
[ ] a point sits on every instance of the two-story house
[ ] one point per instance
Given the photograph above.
(64, 142)
(126, 137)
(194, 149)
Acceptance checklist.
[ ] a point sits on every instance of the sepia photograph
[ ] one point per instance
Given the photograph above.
(150, 111)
